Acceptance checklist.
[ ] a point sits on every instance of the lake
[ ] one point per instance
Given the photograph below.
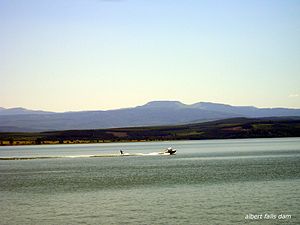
(240, 181)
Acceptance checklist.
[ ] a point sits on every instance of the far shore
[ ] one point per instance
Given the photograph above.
(68, 142)
(235, 128)
(78, 142)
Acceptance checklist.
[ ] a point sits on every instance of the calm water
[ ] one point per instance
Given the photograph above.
(207, 182)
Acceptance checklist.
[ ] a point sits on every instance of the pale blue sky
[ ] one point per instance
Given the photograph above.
(63, 55)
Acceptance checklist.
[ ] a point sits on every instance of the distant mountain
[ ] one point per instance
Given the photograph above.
(247, 111)
(164, 104)
(151, 114)
(19, 110)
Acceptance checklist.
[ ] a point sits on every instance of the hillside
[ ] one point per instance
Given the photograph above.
(221, 129)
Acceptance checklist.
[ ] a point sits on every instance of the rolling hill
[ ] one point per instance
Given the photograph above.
(221, 129)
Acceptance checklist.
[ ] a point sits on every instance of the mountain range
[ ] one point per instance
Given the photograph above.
(151, 114)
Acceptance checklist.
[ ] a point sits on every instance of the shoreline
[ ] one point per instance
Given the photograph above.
(142, 141)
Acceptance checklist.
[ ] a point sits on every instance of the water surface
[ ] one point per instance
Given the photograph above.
(207, 182)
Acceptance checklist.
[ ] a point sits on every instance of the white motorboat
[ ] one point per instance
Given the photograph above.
(170, 151)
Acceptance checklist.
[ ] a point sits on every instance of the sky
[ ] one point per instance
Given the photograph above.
(69, 55)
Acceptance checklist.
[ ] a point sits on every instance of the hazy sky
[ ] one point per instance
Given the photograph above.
(63, 55)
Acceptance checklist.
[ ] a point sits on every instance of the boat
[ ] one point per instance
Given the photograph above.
(167, 151)
(170, 151)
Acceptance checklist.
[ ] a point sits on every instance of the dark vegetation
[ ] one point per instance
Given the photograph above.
(221, 129)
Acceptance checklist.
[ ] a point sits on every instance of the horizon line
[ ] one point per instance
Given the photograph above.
(90, 110)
